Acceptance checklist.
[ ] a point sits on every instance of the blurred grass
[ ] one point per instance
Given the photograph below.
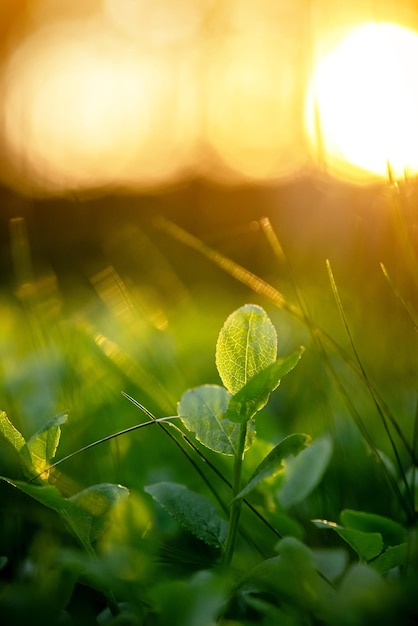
(130, 308)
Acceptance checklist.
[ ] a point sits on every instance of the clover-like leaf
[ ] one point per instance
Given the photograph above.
(202, 411)
(254, 395)
(246, 345)
(193, 511)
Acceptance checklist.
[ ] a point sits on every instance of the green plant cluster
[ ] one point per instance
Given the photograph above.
(242, 576)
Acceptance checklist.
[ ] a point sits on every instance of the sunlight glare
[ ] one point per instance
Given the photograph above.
(362, 106)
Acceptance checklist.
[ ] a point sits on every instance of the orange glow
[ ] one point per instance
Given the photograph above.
(137, 94)
(89, 110)
(253, 120)
(362, 109)
(141, 94)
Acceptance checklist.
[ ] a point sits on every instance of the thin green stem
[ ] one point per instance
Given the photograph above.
(236, 505)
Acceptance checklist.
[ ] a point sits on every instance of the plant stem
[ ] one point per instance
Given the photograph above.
(236, 504)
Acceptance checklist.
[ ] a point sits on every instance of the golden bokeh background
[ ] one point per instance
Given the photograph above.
(138, 95)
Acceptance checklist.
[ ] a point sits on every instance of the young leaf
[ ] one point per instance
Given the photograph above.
(394, 556)
(392, 532)
(97, 502)
(246, 345)
(304, 472)
(367, 545)
(10, 433)
(254, 395)
(44, 443)
(273, 462)
(202, 411)
(194, 512)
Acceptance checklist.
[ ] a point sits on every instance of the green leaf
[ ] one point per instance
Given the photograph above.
(202, 411)
(290, 576)
(10, 433)
(97, 502)
(246, 345)
(50, 497)
(304, 472)
(46, 494)
(43, 445)
(273, 462)
(394, 556)
(85, 521)
(254, 395)
(16, 439)
(391, 531)
(367, 545)
(194, 512)
(3, 561)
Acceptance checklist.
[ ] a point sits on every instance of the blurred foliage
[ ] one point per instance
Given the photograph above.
(97, 299)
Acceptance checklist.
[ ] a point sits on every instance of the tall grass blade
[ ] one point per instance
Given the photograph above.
(254, 282)
(318, 336)
(369, 386)
(399, 296)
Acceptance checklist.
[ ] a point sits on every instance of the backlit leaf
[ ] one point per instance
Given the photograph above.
(98, 501)
(273, 462)
(246, 345)
(255, 394)
(44, 443)
(10, 433)
(193, 511)
(202, 411)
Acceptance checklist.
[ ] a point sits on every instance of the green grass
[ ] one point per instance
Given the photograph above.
(198, 560)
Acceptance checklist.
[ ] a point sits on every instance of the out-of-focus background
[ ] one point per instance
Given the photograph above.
(278, 134)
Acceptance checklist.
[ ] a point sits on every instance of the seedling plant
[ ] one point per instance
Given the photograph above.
(292, 584)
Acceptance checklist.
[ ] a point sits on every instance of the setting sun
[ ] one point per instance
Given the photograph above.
(362, 111)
